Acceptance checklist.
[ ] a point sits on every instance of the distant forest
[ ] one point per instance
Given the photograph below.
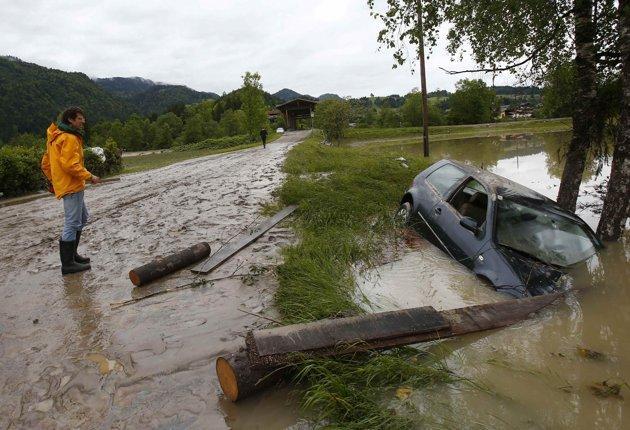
(31, 97)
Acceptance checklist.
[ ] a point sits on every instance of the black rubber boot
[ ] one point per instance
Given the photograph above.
(77, 257)
(68, 265)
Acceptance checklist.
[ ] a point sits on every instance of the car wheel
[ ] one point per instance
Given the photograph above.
(403, 214)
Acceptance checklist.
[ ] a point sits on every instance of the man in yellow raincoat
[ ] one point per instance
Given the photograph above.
(63, 166)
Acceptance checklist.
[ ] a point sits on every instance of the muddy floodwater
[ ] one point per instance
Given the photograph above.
(568, 366)
(70, 361)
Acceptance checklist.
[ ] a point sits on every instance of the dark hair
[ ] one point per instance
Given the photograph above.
(71, 113)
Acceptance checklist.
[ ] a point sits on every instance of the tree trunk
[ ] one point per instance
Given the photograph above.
(616, 203)
(583, 113)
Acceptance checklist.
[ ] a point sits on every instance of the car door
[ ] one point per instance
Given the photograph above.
(439, 184)
(470, 199)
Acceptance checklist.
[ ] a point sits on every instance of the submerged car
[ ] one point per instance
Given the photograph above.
(516, 239)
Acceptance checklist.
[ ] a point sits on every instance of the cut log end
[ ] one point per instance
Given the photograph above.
(227, 379)
(135, 279)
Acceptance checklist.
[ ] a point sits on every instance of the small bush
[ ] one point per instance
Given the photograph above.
(215, 143)
(20, 171)
(332, 117)
(99, 167)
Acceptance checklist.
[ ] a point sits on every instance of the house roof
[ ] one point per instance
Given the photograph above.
(296, 101)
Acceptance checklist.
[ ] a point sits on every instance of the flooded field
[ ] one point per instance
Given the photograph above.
(562, 368)
(70, 361)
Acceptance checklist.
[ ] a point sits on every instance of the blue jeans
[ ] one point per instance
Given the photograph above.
(75, 216)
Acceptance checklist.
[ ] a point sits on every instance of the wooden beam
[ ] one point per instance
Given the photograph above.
(229, 250)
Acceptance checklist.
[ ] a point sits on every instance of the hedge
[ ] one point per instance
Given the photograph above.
(20, 171)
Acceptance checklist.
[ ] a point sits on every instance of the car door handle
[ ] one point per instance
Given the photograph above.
(438, 211)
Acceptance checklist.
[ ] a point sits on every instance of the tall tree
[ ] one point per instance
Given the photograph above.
(617, 203)
(253, 104)
(472, 103)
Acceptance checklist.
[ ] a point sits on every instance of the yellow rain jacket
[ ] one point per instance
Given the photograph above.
(63, 162)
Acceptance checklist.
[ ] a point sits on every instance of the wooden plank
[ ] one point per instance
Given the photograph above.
(228, 251)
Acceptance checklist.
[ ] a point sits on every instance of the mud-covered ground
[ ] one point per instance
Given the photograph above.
(69, 360)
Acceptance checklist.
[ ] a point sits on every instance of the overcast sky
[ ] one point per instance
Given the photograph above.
(310, 46)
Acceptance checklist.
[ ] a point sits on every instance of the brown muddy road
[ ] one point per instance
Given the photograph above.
(70, 361)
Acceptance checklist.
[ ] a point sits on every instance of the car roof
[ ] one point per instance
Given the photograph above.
(498, 184)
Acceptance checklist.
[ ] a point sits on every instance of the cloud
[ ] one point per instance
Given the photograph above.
(310, 46)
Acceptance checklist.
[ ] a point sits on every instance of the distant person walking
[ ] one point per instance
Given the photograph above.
(263, 136)
(63, 166)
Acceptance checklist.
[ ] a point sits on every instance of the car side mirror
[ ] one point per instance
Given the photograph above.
(469, 224)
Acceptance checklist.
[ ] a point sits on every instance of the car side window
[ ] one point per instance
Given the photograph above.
(445, 177)
(471, 201)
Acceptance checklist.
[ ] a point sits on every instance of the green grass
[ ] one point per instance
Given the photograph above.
(153, 161)
(462, 131)
(346, 199)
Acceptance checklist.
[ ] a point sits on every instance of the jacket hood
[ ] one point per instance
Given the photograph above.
(59, 128)
(52, 133)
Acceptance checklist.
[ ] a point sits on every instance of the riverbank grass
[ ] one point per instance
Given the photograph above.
(347, 198)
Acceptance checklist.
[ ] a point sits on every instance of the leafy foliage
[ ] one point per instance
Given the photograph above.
(19, 170)
(112, 163)
(472, 103)
(253, 104)
(559, 91)
(332, 117)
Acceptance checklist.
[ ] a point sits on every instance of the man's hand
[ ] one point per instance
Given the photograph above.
(95, 179)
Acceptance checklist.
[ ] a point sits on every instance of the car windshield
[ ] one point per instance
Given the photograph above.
(543, 234)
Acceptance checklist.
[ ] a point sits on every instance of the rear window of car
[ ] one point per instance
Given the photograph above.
(445, 177)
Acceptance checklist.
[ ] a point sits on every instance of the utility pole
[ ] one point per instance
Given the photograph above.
(423, 81)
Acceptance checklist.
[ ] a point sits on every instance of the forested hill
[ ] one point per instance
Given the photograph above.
(158, 98)
(31, 96)
(125, 87)
(148, 97)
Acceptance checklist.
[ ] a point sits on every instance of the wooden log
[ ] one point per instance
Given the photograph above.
(165, 265)
(238, 378)
(228, 251)
(269, 349)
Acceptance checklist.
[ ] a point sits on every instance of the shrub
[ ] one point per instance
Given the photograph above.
(108, 164)
(332, 117)
(20, 170)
